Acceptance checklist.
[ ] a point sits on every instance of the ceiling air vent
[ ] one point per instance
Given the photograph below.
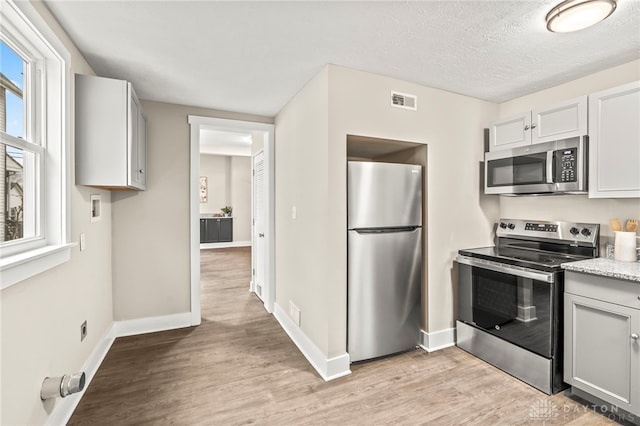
(402, 100)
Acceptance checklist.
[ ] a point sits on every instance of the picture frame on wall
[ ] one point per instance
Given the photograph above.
(203, 189)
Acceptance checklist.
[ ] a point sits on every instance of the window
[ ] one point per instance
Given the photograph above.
(34, 75)
(19, 154)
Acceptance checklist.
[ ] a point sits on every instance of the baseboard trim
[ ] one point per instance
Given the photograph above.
(204, 246)
(437, 340)
(328, 368)
(152, 324)
(65, 407)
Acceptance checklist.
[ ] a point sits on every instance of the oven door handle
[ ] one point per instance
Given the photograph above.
(548, 277)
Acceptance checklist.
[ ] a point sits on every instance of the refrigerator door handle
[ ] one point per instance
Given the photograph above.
(386, 230)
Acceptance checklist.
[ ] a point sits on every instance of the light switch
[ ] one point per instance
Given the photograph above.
(83, 242)
(294, 212)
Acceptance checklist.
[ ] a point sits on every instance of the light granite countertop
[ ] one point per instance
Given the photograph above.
(606, 268)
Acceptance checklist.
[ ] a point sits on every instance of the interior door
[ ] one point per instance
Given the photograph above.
(259, 224)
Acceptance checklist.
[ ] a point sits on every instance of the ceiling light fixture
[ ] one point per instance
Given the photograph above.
(574, 15)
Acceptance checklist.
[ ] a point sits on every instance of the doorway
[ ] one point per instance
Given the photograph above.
(262, 226)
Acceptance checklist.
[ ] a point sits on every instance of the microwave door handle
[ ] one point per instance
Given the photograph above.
(550, 156)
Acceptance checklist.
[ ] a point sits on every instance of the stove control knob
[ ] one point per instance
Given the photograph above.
(503, 225)
(511, 226)
(574, 231)
(586, 232)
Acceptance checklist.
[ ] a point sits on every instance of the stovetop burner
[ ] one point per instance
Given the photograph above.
(540, 260)
(540, 245)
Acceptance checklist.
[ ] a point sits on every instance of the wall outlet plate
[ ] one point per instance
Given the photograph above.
(294, 313)
(96, 207)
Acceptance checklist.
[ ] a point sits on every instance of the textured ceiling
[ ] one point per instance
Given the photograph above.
(253, 57)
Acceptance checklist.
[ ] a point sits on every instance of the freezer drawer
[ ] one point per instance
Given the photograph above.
(383, 195)
(385, 275)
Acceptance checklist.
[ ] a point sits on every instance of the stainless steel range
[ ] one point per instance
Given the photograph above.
(510, 297)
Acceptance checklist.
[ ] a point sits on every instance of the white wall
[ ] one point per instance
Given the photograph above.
(41, 317)
(311, 136)
(458, 214)
(216, 169)
(572, 207)
(229, 182)
(302, 245)
(151, 275)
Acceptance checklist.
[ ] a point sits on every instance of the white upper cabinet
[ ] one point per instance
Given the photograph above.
(559, 121)
(614, 142)
(510, 132)
(564, 120)
(110, 134)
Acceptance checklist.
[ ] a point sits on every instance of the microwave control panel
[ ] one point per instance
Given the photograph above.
(566, 161)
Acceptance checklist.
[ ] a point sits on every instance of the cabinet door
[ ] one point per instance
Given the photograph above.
(563, 120)
(510, 132)
(602, 357)
(614, 142)
(226, 230)
(213, 230)
(136, 142)
(142, 151)
(203, 231)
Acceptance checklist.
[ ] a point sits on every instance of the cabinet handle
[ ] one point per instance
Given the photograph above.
(533, 126)
(526, 127)
(261, 235)
(141, 171)
(634, 336)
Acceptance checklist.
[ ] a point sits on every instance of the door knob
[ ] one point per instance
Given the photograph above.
(634, 336)
(261, 235)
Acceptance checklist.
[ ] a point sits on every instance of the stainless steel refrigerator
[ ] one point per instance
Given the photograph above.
(385, 258)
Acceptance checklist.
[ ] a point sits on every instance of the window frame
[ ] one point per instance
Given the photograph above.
(47, 109)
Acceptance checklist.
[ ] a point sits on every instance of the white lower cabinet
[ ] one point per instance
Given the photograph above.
(601, 344)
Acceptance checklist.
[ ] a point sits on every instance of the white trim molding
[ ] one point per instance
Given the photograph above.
(65, 407)
(328, 368)
(47, 129)
(152, 324)
(25, 265)
(437, 340)
(197, 123)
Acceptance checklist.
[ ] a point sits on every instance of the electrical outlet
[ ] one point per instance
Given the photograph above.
(83, 330)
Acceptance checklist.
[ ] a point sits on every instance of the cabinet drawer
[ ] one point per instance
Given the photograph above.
(620, 292)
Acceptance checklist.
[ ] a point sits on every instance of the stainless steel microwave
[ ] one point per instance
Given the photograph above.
(548, 168)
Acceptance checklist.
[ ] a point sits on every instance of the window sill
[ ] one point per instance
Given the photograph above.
(25, 265)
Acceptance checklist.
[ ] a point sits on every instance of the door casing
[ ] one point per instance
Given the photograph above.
(197, 123)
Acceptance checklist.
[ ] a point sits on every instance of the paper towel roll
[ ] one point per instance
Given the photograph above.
(625, 246)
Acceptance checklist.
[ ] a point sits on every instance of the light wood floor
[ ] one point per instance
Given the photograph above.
(239, 367)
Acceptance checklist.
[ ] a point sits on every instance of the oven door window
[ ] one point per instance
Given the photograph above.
(523, 170)
(516, 309)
